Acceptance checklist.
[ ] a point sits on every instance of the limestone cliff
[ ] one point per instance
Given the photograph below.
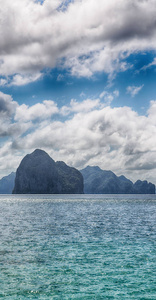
(38, 173)
(97, 181)
(7, 184)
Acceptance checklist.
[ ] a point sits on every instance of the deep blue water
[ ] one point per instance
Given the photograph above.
(78, 247)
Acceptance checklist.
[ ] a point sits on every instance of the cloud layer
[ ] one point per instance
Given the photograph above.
(85, 36)
(92, 133)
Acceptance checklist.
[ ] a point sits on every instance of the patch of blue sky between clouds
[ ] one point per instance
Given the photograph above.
(59, 85)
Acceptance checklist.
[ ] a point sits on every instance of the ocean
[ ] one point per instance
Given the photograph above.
(78, 247)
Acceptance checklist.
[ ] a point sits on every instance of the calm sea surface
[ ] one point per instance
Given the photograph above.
(78, 247)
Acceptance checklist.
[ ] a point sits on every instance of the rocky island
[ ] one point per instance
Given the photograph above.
(97, 181)
(38, 173)
(7, 183)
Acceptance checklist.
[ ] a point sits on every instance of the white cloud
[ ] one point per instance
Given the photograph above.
(87, 36)
(3, 82)
(116, 93)
(109, 97)
(89, 134)
(100, 137)
(84, 106)
(134, 90)
(60, 77)
(82, 95)
(7, 105)
(40, 111)
(153, 63)
(8, 127)
(19, 80)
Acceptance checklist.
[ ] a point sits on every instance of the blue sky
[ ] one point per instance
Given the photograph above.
(60, 86)
(77, 79)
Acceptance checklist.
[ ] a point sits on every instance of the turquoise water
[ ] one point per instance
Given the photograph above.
(78, 247)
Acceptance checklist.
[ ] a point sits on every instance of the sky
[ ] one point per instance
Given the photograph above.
(78, 80)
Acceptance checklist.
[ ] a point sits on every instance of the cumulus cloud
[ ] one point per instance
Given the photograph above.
(84, 36)
(3, 82)
(134, 90)
(100, 137)
(20, 80)
(8, 126)
(40, 111)
(7, 105)
(84, 106)
(81, 134)
(10, 131)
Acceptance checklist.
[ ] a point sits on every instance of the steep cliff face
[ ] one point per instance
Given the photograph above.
(7, 184)
(39, 174)
(70, 179)
(97, 181)
(143, 187)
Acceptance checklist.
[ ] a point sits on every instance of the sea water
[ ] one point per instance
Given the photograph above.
(78, 247)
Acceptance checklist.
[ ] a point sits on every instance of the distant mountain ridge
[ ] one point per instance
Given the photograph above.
(98, 181)
(7, 183)
(38, 173)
